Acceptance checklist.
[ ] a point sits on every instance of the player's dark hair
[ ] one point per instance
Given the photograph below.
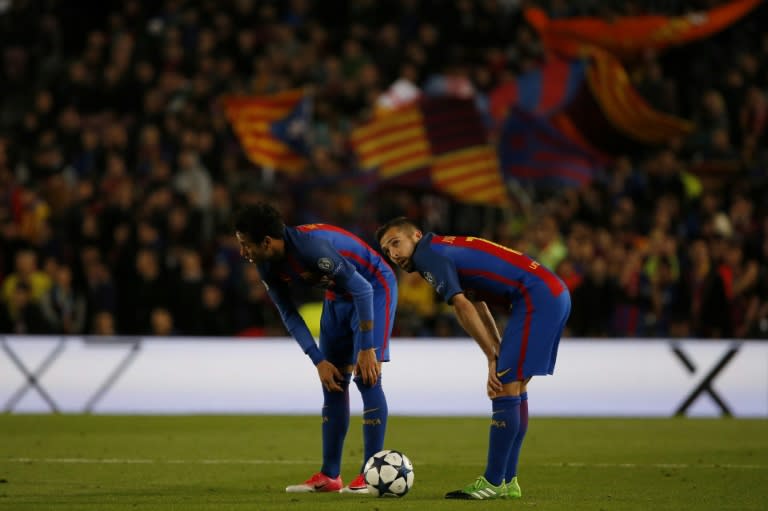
(259, 221)
(398, 222)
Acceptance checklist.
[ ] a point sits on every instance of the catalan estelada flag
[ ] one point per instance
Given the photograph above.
(627, 37)
(272, 130)
(542, 91)
(438, 143)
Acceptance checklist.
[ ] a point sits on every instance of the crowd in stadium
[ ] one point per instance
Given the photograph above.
(119, 173)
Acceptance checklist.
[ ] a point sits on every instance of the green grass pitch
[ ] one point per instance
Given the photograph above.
(240, 463)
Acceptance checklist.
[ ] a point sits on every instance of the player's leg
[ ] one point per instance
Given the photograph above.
(375, 410)
(513, 487)
(546, 330)
(505, 419)
(336, 344)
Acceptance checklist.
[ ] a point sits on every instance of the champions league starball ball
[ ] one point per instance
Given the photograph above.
(388, 473)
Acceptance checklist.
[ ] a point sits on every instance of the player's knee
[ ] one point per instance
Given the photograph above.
(362, 386)
(344, 384)
(513, 388)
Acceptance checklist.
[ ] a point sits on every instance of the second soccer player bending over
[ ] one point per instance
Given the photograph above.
(467, 272)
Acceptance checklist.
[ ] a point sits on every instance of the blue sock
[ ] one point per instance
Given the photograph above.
(514, 454)
(335, 426)
(504, 425)
(374, 418)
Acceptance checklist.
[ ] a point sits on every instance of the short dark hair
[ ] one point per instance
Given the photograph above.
(259, 221)
(398, 222)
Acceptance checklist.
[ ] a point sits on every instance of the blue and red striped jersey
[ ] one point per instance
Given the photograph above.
(322, 255)
(326, 256)
(481, 269)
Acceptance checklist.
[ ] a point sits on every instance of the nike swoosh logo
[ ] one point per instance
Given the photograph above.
(499, 374)
(370, 410)
(321, 485)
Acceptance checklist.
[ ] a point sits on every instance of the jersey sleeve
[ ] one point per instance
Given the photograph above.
(323, 256)
(441, 273)
(292, 320)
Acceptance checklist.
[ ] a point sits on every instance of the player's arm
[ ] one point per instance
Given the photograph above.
(472, 322)
(293, 321)
(488, 321)
(445, 279)
(362, 295)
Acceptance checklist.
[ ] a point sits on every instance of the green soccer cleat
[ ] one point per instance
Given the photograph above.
(512, 490)
(481, 489)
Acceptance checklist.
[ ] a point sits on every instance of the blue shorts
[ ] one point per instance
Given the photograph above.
(340, 327)
(532, 336)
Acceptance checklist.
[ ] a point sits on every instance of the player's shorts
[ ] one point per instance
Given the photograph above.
(531, 338)
(340, 326)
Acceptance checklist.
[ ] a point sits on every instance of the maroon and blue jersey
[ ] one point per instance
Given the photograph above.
(321, 255)
(538, 301)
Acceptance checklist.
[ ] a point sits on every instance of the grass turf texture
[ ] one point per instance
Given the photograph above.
(237, 463)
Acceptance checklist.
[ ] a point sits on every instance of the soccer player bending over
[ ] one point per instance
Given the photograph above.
(355, 325)
(469, 273)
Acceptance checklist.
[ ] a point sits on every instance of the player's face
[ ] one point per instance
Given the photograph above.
(255, 252)
(398, 245)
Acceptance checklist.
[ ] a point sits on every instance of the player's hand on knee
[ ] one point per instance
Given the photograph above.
(491, 393)
(330, 376)
(494, 383)
(368, 366)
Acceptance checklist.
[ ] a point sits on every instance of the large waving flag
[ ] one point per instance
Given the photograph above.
(542, 91)
(439, 143)
(627, 37)
(533, 150)
(612, 116)
(272, 130)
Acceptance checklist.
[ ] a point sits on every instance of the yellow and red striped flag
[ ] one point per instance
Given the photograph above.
(272, 130)
(438, 143)
(393, 144)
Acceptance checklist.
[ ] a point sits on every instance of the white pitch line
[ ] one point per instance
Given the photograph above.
(148, 461)
(653, 465)
(128, 461)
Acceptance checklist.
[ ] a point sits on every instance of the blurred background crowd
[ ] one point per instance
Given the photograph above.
(119, 172)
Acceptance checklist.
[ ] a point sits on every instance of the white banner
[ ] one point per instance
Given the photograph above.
(425, 377)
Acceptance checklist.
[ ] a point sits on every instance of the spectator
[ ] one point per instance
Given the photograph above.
(161, 323)
(593, 302)
(215, 317)
(22, 314)
(548, 246)
(188, 292)
(709, 309)
(36, 282)
(103, 324)
(148, 292)
(193, 180)
(63, 307)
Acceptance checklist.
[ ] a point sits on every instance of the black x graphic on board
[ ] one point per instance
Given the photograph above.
(705, 386)
(32, 378)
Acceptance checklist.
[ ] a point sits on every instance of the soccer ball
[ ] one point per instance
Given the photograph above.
(388, 473)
